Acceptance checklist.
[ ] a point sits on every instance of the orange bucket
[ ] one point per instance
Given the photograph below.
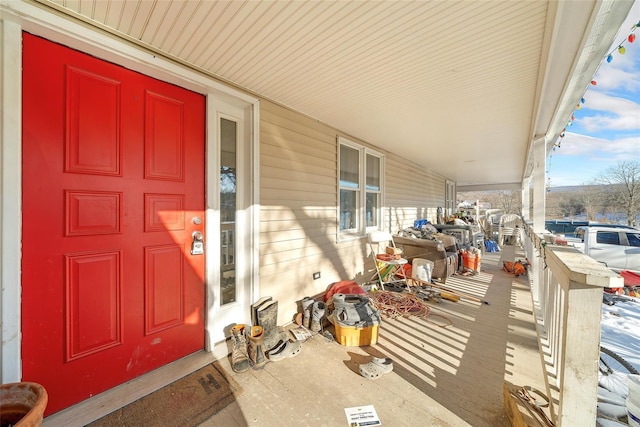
(469, 260)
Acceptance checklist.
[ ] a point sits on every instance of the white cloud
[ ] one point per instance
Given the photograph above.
(611, 77)
(600, 149)
(621, 114)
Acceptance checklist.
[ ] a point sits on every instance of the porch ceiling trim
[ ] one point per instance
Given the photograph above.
(460, 88)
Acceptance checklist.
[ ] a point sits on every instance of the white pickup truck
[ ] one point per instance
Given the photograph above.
(616, 247)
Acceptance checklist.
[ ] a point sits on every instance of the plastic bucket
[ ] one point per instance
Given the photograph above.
(477, 263)
(634, 389)
(421, 269)
(633, 413)
(469, 260)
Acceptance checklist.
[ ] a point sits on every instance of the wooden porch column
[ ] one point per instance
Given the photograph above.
(580, 343)
(526, 195)
(581, 280)
(539, 184)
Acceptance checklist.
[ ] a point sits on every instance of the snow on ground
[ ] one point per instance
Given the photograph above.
(620, 330)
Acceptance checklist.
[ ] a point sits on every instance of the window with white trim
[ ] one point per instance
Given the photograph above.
(360, 185)
(450, 198)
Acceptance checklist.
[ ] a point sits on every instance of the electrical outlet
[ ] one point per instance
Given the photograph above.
(316, 275)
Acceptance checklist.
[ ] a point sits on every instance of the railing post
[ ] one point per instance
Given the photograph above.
(566, 287)
(579, 342)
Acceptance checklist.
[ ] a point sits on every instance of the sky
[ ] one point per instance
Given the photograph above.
(606, 129)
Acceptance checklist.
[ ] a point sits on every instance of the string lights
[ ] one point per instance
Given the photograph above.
(621, 50)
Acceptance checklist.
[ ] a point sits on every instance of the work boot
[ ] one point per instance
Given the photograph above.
(307, 305)
(267, 317)
(256, 347)
(239, 356)
(317, 313)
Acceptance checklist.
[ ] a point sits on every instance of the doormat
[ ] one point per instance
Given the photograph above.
(186, 402)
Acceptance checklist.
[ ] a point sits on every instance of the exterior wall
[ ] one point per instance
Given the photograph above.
(297, 184)
(411, 193)
(298, 217)
(298, 198)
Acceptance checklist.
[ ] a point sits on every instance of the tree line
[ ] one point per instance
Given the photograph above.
(613, 196)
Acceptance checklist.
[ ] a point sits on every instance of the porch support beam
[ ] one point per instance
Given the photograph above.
(539, 184)
(526, 196)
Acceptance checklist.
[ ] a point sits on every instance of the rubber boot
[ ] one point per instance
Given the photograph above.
(256, 347)
(267, 317)
(317, 314)
(307, 306)
(239, 356)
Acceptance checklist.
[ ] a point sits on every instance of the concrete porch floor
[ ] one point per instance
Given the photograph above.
(442, 376)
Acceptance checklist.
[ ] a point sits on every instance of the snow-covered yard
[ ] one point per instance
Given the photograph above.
(621, 329)
(620, 333)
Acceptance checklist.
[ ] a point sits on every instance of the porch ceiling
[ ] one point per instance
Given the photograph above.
(460, 87)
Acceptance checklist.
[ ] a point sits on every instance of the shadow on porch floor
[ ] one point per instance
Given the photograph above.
(443, 376)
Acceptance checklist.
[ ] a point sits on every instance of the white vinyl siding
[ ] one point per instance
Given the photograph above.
(299, 195)
(298, 199)
(411, 192)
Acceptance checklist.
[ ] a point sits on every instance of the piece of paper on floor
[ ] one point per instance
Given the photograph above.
(301, 333)
(361, 416)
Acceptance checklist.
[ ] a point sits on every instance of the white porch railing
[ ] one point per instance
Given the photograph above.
(566, 287)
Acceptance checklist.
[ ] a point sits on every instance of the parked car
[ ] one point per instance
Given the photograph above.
(616, 247)
(569, 226)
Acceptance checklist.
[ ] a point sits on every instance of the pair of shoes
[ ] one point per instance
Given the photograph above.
(239, 356)
(317, 314)
(284, 349)
(376, 368)
(313, 313)
(307, 306)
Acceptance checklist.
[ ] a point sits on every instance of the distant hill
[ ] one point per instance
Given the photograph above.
(572, 188)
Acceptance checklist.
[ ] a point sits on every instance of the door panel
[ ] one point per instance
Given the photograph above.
(113, 174)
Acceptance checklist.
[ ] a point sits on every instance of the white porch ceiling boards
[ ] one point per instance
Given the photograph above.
(460, 87)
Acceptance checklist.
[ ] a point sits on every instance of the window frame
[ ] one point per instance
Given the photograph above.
(633, 239)
(449, 198)
(361, 229)
(608, 238)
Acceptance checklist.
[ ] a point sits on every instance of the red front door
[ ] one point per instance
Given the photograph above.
(113, 184)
